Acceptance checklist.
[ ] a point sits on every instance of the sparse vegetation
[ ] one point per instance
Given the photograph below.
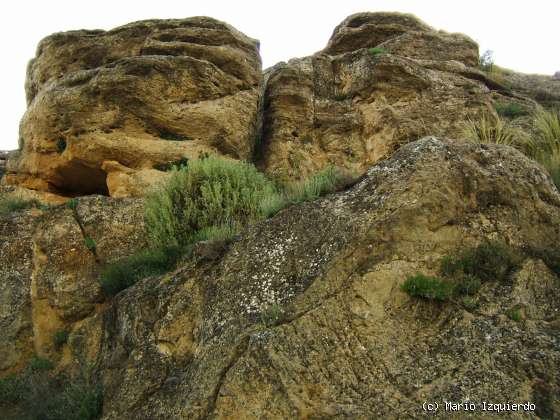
(467, 285)
(72, 203)
(272, 315)
(210, 199)
(510, 109)
(486, 61)
(377, 50)
(60, 338)
(179, 163)
(40, 394)
(11, 204)
(125, 272)
(514, 314)
(90, 244)
(60, 145)
(40, 363)
(166, 135)
(470, 303)
(427, 287)
(491, 260)
(544, 146)
(491, 129)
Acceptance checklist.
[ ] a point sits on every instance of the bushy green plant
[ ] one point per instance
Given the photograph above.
(223, 233)
(60, 338)
(427, 287)
(510, 109)
(208, 192)
(11, 204)
(377, 50)
(127, 271)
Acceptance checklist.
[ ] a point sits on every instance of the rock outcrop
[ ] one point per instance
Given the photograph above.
(384, 79)
(105, 104)
(49, 276)
(303, 315)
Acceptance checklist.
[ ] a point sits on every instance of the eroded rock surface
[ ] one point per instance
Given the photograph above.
(303, 316)
(349, 106)
(49, 275)
(141, 95)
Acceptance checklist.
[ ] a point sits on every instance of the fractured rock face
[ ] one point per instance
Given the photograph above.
(350, 106)
(147, 93)
(49, 276)
(303, 315)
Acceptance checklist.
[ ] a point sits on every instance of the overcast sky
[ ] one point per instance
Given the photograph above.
(524, 35)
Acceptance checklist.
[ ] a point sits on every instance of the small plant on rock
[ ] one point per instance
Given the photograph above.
(90, 243)
(272, 315)
(60, 338)
(11, 204)
(514, 314)
(427, 287)
(377, 51)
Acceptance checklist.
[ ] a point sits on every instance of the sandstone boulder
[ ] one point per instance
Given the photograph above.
(303, 315)
(145, 94)
(351, 106)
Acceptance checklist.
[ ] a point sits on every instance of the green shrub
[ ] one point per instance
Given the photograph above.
(60, 145)
(377, 50)
(486, 61)
(9, 205)
(124, 273)
(12, 389)
(511, 109)
(40, 363)
(60, 338)
(208, 192)
(90, 243)
(428, 287)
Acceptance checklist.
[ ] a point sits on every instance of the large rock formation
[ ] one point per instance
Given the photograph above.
(384, 79)
(303, 315)
(104, 106)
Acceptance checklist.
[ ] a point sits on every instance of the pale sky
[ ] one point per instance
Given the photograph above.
(524, 35)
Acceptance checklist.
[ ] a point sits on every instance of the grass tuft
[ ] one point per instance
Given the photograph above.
(127, 271)
(10, 204)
